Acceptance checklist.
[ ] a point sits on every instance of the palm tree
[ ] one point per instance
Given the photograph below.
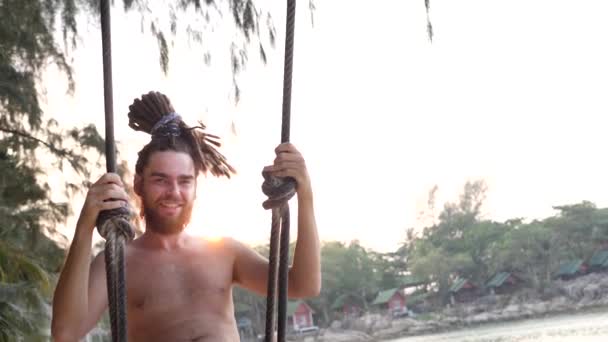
(25, 287)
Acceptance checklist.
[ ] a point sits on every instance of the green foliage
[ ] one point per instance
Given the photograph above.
(389, 268)
(459, 244)
(531, 251)
(355, 271)
(196, 20)
(29, 144)
(438, 266)
(250, 305)
(347, 269)
(24, 287)
(462, 244)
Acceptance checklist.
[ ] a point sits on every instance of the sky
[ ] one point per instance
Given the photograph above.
(511, 92)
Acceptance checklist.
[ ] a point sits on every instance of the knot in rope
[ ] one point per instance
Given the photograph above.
(115, 221)
(114, 225)
(279, 190)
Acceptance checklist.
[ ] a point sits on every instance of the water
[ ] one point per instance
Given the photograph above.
(585, 327)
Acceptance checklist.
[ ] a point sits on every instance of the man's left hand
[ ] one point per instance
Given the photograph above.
(290, 163)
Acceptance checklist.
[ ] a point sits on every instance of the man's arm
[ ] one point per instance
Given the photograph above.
(305, 273)
(81, 296)
(251, 270)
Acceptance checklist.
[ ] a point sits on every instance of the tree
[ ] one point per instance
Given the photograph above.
(600, 227)
(575, 224)
(532, 251)
(346, 269)
(462, 244)
(457, 244)
(252, 305)
(27, 210)
(389, 267)
(438, 266)
(481, 242)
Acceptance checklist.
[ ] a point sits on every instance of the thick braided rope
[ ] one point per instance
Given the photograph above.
(272, 276)
(283, 272)
(278, 259)
(288, 69)
(279, 192)
(114, 224)
(115, 227)
(280, 226)
(114, 268)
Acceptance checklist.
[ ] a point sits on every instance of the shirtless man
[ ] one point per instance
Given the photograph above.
(179, 287)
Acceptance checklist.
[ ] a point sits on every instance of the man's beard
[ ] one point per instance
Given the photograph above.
(167, 225)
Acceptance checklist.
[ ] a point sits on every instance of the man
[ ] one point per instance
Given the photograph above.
(179, 287)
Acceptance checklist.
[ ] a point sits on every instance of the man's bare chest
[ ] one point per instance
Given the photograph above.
(169, 284)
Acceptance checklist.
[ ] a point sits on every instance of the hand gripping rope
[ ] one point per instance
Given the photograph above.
(279, 191)
(113, 225)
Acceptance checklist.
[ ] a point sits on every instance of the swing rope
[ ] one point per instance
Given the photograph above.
(113, 225)
(279, 191)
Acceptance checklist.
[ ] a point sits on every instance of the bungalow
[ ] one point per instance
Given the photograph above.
(299, 316)
(462, 290)
(599, 261)
(348, 305)
(503, 282)
(571, 269)
(391, 300)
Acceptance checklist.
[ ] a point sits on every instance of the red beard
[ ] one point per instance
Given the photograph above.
(167, 225)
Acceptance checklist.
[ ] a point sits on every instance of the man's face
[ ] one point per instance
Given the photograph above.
(168, 190)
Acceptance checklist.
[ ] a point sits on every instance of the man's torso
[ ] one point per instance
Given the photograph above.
(180, 296)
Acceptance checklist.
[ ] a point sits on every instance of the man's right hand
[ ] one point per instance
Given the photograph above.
(105, 194)
(81, 296)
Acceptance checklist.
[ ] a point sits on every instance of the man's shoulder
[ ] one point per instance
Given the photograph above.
(214, 245)
(219, 244)
(213, 240)
(228, 246)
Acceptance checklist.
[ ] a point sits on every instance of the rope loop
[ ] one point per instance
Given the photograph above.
(116, 220)
(278, 189)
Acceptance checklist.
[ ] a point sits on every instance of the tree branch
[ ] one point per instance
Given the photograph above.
(60, 152)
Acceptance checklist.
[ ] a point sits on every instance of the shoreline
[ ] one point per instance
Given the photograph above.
(571, 313)
(585, 295)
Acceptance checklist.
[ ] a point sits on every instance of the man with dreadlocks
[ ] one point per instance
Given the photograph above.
(179, 287)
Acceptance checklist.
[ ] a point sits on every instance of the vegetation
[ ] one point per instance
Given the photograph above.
(461, 243)
(464, 244)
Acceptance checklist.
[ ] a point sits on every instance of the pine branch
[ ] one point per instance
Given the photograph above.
(53, 148)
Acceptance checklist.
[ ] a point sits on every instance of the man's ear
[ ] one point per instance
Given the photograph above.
(137, 184)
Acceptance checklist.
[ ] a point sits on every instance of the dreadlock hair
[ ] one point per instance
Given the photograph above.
(154, 114)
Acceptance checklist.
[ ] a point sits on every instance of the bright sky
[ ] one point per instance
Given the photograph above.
(513, 92)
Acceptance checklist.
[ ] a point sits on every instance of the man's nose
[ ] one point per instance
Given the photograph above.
(173, 188)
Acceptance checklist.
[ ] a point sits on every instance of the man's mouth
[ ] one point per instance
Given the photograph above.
(170, 205)
(170, 208)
